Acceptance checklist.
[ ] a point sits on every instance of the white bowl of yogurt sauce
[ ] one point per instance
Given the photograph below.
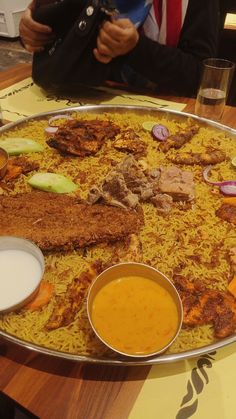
(21, 270)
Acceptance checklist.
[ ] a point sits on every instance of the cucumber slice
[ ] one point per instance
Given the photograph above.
(233, 161)
(52, 182)
(18, 145)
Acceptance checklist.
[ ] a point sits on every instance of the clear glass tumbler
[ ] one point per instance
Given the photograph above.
(214, 87)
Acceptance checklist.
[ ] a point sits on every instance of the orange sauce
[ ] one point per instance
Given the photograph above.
(135, 315)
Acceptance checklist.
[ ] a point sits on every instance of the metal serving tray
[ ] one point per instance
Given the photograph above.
(120, 360)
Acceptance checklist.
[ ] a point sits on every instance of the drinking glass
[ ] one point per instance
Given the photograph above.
(214, 86)
(1, 117)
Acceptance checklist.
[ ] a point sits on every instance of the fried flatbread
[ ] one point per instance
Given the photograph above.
(59, 222)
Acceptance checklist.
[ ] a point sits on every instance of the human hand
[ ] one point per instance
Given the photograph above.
(34, 35)
(115, 38)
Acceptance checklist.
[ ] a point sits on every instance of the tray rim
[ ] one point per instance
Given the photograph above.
(119, 360)
(85, 108)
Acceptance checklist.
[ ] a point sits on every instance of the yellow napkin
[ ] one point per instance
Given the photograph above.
(200, 388)
(25, 99)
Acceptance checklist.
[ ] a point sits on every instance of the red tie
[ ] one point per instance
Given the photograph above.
(173, 21)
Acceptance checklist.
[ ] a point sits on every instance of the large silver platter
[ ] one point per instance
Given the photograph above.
(119, 360)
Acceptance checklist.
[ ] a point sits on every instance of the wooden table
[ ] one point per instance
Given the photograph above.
(59, 389)
(21, 71)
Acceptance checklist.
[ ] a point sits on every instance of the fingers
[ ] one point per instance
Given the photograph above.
(33, 34)
(105, 59)
(113, 31)
(104, 48)
(117, 38)
(28, 22)
(33, 49)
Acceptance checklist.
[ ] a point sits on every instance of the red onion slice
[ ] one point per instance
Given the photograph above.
(160, 132)
(205, 176)
(227, 187)
(51, 130)
(56, 117)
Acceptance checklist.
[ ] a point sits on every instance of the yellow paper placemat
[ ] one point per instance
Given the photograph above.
(230, 19)
(25, 99)
(201, 388)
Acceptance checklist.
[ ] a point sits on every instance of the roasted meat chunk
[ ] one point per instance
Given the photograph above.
(179, 139)
(163, 203)
(227, 213)
(123, 186)
(207, 306)
(57, 222)
(204, 159)
(83, 138)
(177, 183)
(129, 141)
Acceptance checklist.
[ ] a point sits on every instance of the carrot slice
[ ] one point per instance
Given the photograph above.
(230, 200)
(42, 298)
(232, 286)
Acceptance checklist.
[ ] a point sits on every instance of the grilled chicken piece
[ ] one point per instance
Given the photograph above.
(129, 141)
(26, 165)
(179, 139)
(177, 183)
(204, 159)
(12, 172)
(132, 250)
(232, 259)
(18, 165)
(227, 212)
(83, 138)
(68, 304)
(207, 306)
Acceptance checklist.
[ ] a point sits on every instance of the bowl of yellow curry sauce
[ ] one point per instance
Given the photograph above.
(3, 162)
(134, 309)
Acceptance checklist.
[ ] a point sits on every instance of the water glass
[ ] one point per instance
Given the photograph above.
(1, 117)
(214, 87)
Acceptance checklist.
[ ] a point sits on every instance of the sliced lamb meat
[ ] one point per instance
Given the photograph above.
(163, 203)
(128, 185)
(124, 186)
(135, 178)
(115, 191)
(177, 183)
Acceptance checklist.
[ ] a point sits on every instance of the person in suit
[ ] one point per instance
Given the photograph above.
(161, 43)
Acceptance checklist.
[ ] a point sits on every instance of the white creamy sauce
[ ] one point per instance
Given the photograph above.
(20, 274)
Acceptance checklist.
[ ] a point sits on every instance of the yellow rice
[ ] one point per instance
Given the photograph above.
(167, 242)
